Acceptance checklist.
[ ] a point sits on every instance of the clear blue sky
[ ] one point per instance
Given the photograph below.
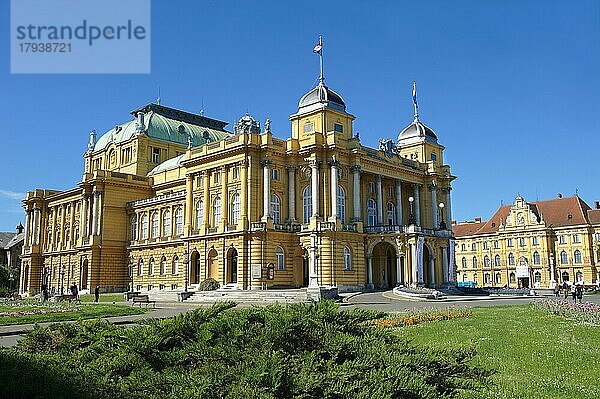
(512, 88)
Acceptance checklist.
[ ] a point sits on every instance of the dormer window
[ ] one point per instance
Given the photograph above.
(433, 157)
(338, 128)
(155, 155)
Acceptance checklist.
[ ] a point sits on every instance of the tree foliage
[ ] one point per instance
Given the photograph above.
(298, 351)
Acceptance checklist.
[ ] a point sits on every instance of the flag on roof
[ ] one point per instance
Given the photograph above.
(317, 49)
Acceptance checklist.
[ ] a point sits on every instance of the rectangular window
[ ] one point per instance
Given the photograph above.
(534, 241)
(496, 245)
(236, 173)
(562, 239)
(474, 247)
(275, 174)
(521, 242)
(390, 191)
(309, 127)
(509, 242)
(433, 157)
(338, 128)
(485, 245)
(217, 177)
(576, 239)
(372, 187)
(155, 155)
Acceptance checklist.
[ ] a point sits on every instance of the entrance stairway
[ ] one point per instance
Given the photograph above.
(241, 296)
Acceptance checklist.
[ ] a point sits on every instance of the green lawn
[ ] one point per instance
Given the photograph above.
(535, 354)
(116, 298)
(71, 312)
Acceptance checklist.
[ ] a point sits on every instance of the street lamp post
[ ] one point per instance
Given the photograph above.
(442, 222)
(552, 271)
(411, 219)
(186, 261)
(10, 280)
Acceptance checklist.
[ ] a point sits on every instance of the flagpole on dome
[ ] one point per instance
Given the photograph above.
(415, 105)
(319, 50)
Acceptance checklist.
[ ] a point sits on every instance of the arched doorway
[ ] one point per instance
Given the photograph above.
(213, 265)
(301, 268)
(232, 266)
(428, 277)
(194, 268)
(84, 275)
(384, 266)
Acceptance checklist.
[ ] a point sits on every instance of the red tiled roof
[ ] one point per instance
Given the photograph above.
(466, 229)
(557, 212)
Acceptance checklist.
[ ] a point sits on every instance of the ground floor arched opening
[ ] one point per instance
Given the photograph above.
(84, 272)
(384, 266)
(232, 266)
(212, 265)
(194, 268)
(301, 268)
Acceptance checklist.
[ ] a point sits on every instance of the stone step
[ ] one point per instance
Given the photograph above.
(232, 295)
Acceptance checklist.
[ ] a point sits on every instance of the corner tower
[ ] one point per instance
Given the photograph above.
(419, 142)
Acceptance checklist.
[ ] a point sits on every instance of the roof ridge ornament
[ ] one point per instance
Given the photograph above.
(318, 49)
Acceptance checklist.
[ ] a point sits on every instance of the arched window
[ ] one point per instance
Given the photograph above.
(511, 259)
(306, 204)
(371, 213)
(175, 269)
(464, 262)
(140, 270)
(163, 266)
(280, 258)
(235, 209)
(497, 260)
(151, 267)
(577, 256)
(498, 278)
(536, 258)
(475, 278)
(537, 277)
(463, 247)
(347, 259)
(474, 261)
(155, 225)
(391, 214)
(134, 228)
(341, 203)
(511, 277)
(199, 213)
(565, 276)
(486, 261)
(564, 259)
(487, 278)
(179, 221)
(144, 227)
(166, 223)
(579, 277)
(216, 211)
(276, 209)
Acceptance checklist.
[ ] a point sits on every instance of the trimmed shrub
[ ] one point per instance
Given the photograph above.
(210, 284)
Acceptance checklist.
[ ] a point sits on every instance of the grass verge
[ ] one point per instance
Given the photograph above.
(535, 354)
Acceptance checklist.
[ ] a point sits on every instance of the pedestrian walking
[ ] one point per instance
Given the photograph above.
(573, 292)
(97, 294)
(579, 293)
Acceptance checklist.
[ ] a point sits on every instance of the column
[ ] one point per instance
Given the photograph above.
(445, 265)
(313, 276)
(448, 209)
(434, 207)
(413, 263)
(72, 227)
(370, 271)
(314, 165)
(399, 202)
(266, 164)
(356, 192)
(36, 227)
(334, 184)
(379, 200)
(206, 200)
(399, 274)
(291, 192)
(416, 192)
(100, 206)
(83, 216)
(224, 198)
(94, 213)
(244, 194)
(431, 271)
(189, 206)
(27, 227)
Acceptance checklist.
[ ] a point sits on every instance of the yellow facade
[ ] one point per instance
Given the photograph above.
(244, 207)
(530, 245)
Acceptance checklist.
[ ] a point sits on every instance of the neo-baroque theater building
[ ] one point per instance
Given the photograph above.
(170, 198)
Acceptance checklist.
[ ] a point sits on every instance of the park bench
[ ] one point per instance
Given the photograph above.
(143, 299)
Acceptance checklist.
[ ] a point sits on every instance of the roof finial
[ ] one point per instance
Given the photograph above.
(158, 99)
(415, 105)
(319, 50)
